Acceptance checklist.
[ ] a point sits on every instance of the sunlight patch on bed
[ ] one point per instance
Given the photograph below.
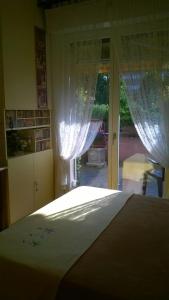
(77, 207)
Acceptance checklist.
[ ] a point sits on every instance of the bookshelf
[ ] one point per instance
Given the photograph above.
(27, 131)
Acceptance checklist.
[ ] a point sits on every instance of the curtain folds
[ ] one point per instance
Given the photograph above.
(75, 131)
(94, 127)
(145, 71)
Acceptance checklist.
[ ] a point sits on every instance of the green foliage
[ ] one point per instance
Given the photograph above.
(102, 89)
(100, 112)
(125, 116)
(101, 107)
(78, 167)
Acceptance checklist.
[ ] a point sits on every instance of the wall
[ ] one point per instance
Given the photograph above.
(98, 11)
(18, 19)
(2, 131)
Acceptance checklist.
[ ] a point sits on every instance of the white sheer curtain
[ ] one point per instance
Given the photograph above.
(75, 130)
(94, 127)
(145, 70)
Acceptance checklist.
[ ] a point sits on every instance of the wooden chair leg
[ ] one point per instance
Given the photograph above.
(144, 187)
(160, 187)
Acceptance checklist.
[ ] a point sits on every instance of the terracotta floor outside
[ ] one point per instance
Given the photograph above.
(130, 174)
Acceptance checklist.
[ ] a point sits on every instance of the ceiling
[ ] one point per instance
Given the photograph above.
(48, 4)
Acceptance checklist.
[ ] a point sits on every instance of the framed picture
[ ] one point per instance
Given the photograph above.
(41, 75)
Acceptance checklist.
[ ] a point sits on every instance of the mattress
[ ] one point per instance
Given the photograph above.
(128, 259)
(37, 251)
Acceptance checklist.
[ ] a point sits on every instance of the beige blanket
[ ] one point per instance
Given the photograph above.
(129, 260)
(36, 252)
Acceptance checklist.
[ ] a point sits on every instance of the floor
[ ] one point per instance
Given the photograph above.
(130, 149)
(97, 176)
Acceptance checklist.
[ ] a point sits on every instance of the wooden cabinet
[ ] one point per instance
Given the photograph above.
(4, 214)
(18, 20)
(30, 183)
(43, 172)
(30, 161)
(2, 105)
(25, 134)
(21, 192)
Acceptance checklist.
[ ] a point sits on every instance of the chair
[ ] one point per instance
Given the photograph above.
(158, 173)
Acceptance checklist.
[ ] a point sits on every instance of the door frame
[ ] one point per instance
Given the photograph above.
(114, 121)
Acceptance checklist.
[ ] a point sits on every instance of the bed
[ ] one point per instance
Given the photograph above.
(103, 244)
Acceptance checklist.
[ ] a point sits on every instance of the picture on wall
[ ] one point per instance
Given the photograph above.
(41, 76)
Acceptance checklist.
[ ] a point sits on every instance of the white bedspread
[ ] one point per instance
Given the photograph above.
(37, 251)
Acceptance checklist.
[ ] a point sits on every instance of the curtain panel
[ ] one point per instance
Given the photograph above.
(145, 71)
(75, 131)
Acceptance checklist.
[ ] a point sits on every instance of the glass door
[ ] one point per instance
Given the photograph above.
(117, 158)
(137, 173)
(92, 167)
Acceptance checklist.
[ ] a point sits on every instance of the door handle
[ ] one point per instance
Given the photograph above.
(114, 136)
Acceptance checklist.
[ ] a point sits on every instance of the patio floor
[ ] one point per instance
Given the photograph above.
(97, 176)
(132, 165)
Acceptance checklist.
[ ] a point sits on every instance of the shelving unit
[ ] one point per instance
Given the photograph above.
(27, 131)
(42, 139)
(30, 161)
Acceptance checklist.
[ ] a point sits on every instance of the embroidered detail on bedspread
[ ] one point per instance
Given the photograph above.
(36, 237)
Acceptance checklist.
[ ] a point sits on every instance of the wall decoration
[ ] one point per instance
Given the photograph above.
(41, 76)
